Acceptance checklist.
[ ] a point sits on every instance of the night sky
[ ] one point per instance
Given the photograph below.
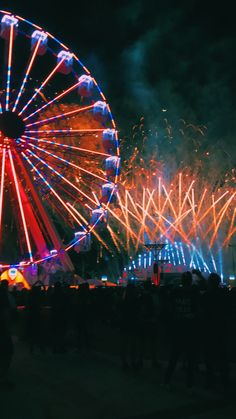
(149, 55)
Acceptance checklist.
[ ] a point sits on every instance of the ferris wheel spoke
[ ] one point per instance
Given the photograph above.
(62, 115)
(56, 98)
(127, 227)
(67, 146)
(60, 176)
(77, 213)
(69, 163)
(37, 91)
(2, 186)
(9, 65)
(26, 74)
(65, 131)
(60, 214)
(20, 205)
(91, 230)
(63, 203)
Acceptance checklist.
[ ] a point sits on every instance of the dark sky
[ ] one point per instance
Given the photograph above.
(148, 55)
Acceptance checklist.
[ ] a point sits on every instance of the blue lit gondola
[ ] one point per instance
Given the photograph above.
(66, 64)
(109, 139)
(100, 110)
(108, 193)
(82, 241)
(85, 87)
(6, 23)
(112, 166)
(100, 218)
(36, 35)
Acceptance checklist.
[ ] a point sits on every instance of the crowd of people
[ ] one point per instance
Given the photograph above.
(194, 322)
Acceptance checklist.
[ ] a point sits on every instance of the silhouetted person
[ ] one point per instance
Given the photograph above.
(129, 311)
(149, 323)
(184, 300)
(232, 321)
(34, 325)
(59, 318)
(6, 343)
(201, 281)
(83, 308)
(216, 313)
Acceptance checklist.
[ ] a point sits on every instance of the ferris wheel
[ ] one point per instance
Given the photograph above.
(59, 148)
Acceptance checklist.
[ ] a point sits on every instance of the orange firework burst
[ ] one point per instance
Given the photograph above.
(186, 198)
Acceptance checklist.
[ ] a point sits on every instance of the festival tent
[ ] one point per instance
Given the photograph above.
(78, 280)
(99, 283)
(93, 282)
(14, 278)
(109, 284)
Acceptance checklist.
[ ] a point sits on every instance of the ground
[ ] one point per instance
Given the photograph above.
(93, 386)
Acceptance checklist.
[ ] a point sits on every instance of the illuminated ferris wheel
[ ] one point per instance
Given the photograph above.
(59, 151)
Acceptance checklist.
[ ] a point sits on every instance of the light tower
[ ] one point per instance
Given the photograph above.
(156, 247)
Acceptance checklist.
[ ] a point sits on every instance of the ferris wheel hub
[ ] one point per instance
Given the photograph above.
(11, 125)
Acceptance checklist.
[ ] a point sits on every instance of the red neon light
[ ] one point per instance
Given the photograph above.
(67, 162)
(54, 192)
(42, 85)
(50, 229)
(9, 67)
(53, 100)
(62, 177)
(63, 131)
(20, 205)
(26, 74)
(67, 146)
(2, 185)
(60, 115)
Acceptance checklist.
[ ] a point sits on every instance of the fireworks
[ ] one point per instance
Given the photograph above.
(185, 201)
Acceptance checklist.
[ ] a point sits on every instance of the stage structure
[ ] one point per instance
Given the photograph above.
(156, 267)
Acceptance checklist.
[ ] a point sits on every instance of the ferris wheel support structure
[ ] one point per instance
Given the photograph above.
(36, 228)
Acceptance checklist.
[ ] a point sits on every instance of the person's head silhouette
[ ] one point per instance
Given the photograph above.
(214, 280)
(186, 279)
